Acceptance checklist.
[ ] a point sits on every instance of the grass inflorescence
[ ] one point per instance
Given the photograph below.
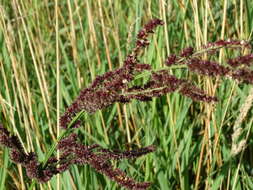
(179, 92)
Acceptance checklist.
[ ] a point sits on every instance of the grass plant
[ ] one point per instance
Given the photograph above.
(51, 50)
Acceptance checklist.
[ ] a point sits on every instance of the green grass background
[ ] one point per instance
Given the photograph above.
(50, 50)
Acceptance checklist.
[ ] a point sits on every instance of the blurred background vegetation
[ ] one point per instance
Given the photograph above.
(50, 50)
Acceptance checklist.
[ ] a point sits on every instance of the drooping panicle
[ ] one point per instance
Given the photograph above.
(107, 89)
(113, 86)
(98, 158)
(73, 152)
(195, 63)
